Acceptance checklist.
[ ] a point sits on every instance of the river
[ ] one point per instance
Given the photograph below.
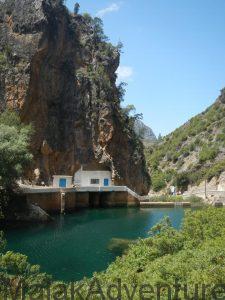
(76, 245)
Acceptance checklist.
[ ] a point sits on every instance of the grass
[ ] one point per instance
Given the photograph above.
(166, 198)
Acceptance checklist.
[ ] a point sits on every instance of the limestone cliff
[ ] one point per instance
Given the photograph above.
(58, 71)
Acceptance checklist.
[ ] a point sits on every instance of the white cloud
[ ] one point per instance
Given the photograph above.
(124, 73)
(111, 8)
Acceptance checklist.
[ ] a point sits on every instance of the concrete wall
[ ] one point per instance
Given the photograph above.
(51, 202)
(83, 178)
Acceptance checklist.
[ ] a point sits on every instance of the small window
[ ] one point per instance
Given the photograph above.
(95, 181)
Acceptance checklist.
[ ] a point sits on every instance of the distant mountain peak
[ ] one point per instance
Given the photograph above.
(145, 132)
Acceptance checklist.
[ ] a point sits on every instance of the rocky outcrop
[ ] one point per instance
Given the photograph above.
(212, 190)
(33, 214)
(145, 132)
(59, 73)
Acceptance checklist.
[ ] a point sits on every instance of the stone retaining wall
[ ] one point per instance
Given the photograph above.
(51, 202)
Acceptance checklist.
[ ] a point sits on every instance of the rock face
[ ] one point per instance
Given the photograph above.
(145, 132)
(33, 214)
(58, 72)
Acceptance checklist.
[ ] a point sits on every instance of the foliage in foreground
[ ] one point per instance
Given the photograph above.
(193, 255)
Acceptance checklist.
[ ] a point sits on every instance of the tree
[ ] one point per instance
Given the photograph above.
(98, 32)
(14, 149)
(76, 8)
(160, 137)
(130, 111)
(119, 46)
(121, 91)
(158, 181)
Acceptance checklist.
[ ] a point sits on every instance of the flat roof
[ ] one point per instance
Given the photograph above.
(68, 176)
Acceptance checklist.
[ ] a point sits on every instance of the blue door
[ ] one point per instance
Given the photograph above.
(106, 182)
(62, 182)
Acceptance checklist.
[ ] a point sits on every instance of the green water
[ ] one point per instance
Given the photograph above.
(76, 245)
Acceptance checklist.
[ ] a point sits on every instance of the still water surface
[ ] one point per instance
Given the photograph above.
(76, 245)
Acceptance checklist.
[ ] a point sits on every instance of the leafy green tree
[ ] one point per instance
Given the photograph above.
(158, 181)
(15, 268)
(130, 111)
(14, 148)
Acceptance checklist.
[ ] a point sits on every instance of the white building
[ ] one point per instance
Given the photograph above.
(62, 181)
(93, 178)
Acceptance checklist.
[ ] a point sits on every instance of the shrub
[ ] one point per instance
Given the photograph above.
(166, 198)
(194, 199)
(182, 181)
(158, 181)
(215, 170)
(220, 137)
(14, 148)
(3, 61)
(190, 256)
(207, 153)
(169, 174)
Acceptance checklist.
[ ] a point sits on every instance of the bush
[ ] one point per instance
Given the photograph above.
(3, 61)
(166, 198)
(215, 170)
(220, 137)
(207, 153)
(158, 181)
(14, 148)
(194, 199)
(182, 181)
(185, 256)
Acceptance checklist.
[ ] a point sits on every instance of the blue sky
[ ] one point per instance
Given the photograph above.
(173, 58)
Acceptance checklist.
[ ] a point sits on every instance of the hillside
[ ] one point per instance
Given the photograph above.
(58, 71)
(192, 153)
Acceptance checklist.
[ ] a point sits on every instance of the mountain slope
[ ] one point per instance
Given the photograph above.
(145, 132)
(192, 153)
(59, 72)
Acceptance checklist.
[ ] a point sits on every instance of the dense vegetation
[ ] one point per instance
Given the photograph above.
(14, 154)
(193, 152)
(193, 255)
(14, 157)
